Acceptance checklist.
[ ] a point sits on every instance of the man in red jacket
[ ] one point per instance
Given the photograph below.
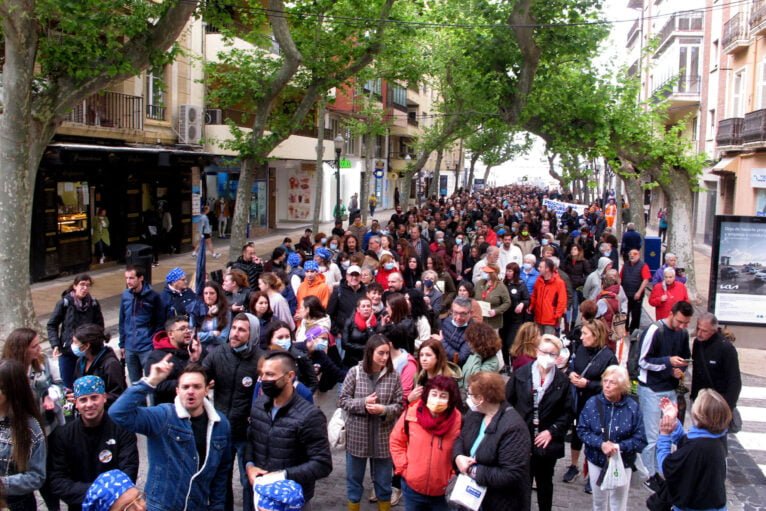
(549, 298)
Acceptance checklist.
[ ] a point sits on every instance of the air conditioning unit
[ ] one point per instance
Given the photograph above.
(189, 124)
(213, 116)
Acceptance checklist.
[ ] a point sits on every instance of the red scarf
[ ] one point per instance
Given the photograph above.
(439, 425)
(490, 287)
(361, 323)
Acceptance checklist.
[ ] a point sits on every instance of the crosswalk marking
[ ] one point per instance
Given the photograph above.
(752, 392)
(752, 413)
(752, 441)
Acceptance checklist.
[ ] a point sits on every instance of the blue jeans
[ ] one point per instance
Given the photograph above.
(381, 470)
(414, 501)
(67, 363)
(136, 362)
(649, 402)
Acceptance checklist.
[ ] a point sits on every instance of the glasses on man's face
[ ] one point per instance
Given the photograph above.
(133, 505)
(460, 313)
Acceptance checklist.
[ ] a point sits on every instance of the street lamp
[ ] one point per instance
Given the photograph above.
(339, 142)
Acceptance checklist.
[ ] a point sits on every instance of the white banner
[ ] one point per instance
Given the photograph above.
(560, 207)
(758, 178)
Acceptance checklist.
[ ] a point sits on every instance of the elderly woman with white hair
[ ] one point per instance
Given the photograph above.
(611, 422)
(664, 296)
(671, 261)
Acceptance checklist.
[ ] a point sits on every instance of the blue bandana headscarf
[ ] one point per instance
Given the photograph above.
(175, 275)
(310, 266)
(285, 495)
(294, 259)
(88, 385)
(323, 253)
(105, 490)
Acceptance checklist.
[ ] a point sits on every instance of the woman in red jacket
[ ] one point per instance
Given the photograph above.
(421, 444)
(665, 295)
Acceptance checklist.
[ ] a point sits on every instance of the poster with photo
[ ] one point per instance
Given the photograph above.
(300, 202)
(738, 270)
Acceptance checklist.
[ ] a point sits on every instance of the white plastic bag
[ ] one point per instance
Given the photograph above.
(336, 429)
(467, 493)
(616, 476)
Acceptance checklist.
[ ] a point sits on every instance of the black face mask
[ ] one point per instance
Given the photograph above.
(271, 389)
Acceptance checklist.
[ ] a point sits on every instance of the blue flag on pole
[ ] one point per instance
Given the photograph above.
(199, 282)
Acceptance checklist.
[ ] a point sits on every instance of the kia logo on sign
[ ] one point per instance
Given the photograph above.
(729, 287)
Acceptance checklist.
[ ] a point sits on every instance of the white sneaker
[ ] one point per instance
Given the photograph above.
(396, 496)
(216, 255)
(194, 254)
(101, 261)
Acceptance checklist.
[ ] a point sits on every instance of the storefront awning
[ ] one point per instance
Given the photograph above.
(726, 166)
(127, 148)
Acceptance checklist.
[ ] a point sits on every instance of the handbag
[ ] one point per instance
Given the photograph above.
(464, 493)
(336, 428)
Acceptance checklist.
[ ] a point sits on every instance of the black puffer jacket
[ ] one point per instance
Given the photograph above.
(252, 269)
(295, 441)
(107, 367)
(235, 375)
(502, 458)
(555, 407)
(343, 305)
(66, 317)
(354, 342)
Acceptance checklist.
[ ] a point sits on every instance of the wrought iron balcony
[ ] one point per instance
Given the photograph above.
(758, 17)
(754, 128)
(730, 132)
(734, 33)
(680, 22)
(155, 112)
(110, 110)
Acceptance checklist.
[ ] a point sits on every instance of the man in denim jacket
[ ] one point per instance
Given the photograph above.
(188, 441)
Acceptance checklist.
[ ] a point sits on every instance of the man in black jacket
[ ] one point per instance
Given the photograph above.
(715, 364)
(234, 367)
(249, 263)
(88, 446)
(287, 433)
(177, 340)
(344, 297)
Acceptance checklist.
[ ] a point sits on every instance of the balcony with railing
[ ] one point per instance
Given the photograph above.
(681, 23)
(754, 129)
(680, 90)
(758, 17)
(729, 135)
(155, 112)
(735, 34)
(109, 110)
(633, 31)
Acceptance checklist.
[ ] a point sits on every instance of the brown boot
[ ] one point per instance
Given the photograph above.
(384, 505)
(354, 506)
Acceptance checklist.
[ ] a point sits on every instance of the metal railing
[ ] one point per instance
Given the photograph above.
(681, 22)
(633, 30)
(110, 110)
(754, 126)
(757, 13)
(733, 30)
(688, 85)
(729, 132)
(155, 112)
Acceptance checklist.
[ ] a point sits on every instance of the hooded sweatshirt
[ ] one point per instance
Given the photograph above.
(593, 282)
(318, 288)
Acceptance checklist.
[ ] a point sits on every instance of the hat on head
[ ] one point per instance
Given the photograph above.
(323, 253)
(87, 385)
(501, 232)
(489, 269)
(315, 332)
(574, 233)
(285, 495)
(294, 259)
(105, 490)
(175, 275)
(310, 266)
(353, 269)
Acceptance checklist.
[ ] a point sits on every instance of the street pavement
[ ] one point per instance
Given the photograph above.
(746, 482)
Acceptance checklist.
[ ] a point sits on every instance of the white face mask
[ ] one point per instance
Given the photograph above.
(471, 404)
(283, 342)
(546, 361)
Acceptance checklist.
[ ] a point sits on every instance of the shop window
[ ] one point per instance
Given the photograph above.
(72, 204)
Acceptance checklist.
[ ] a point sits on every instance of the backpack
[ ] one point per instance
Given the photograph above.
(636, 339)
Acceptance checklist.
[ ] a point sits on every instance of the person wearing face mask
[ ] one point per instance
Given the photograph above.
(175, 340)
(525, 240)
(76, 307)
(232, 366)
(372, 397)
(427, 430)
(529, 274)
(98, 359)
(280, 339)
(494, 445)
(387, 266)
(541, 394)
(357, 331)
(317, 344)
(332, 274)
(287, 435)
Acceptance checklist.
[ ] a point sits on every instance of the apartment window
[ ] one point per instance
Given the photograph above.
(714, 55)
(155, 93)
(738, 94)
(351, 143)
(376, 86)
(399, 94)
(695, 128)
(711, 116)
(762, 84)
(688, 66)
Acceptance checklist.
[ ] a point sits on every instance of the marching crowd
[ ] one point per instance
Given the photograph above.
(467, 340)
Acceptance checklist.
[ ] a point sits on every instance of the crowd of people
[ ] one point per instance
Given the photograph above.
(472, 336)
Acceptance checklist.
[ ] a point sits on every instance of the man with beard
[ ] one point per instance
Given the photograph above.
(287, 434)
(177, 341)
(88, 446)
(249, 263)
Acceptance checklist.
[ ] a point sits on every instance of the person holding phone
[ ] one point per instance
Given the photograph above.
(178, 340)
